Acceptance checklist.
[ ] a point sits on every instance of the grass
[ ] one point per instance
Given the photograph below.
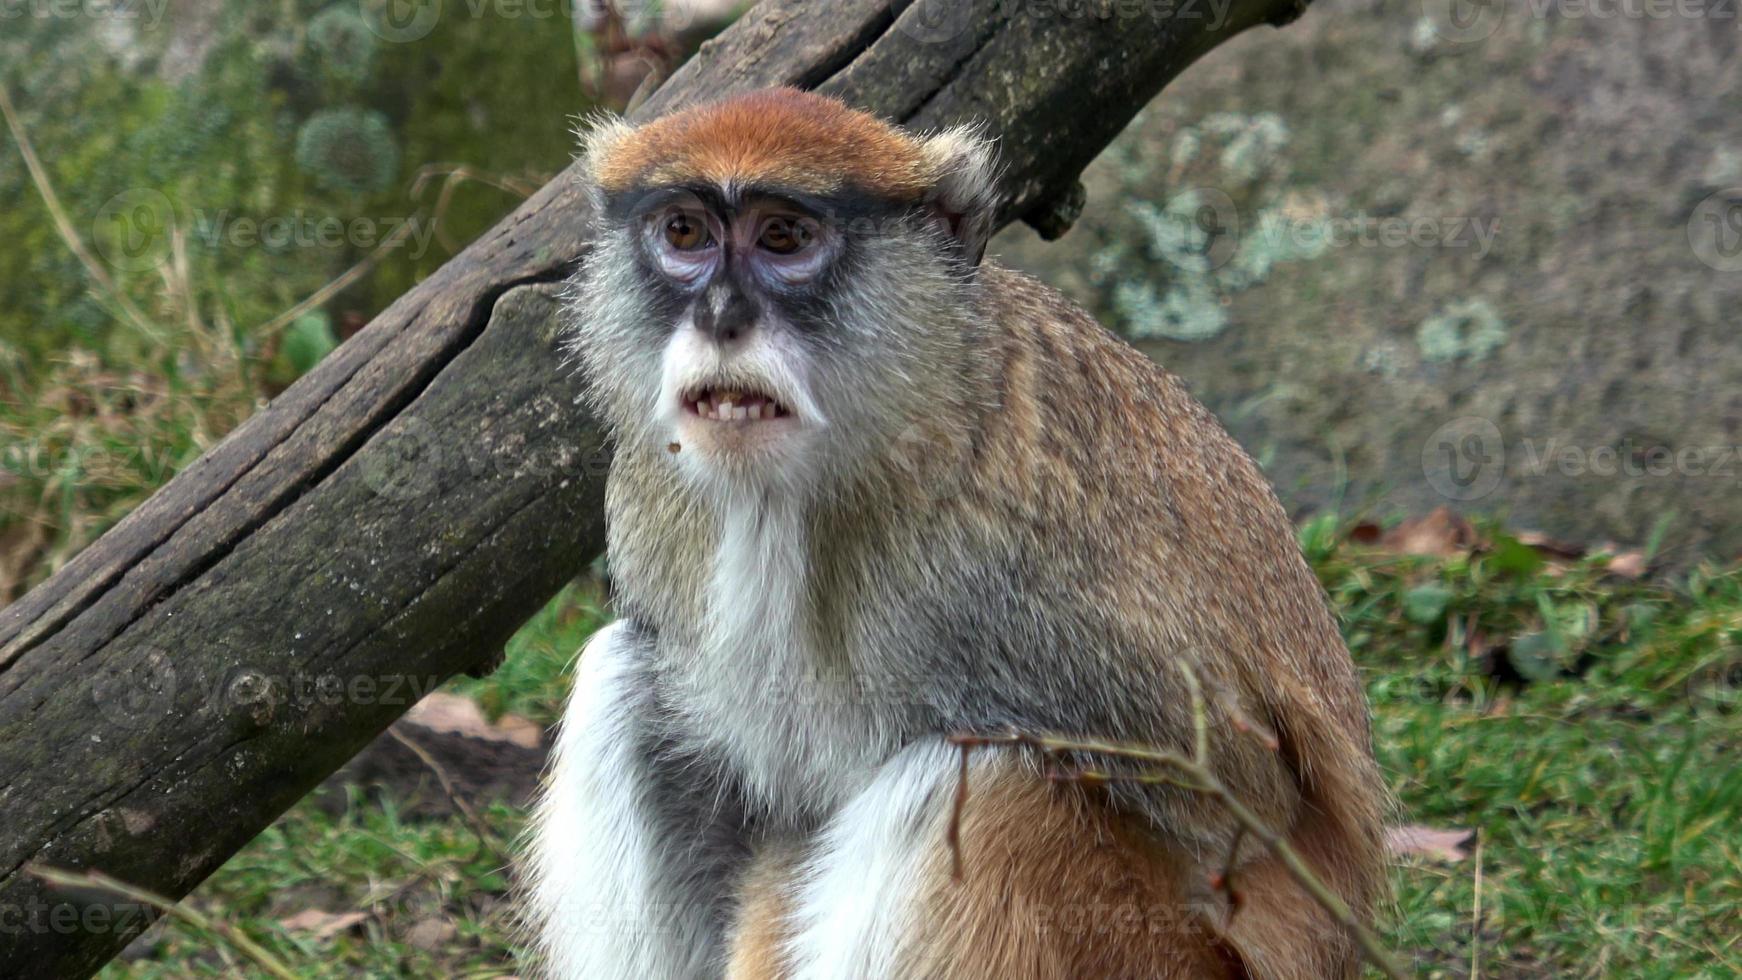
(1601, 778)
(1584, 724)
(1597, 767)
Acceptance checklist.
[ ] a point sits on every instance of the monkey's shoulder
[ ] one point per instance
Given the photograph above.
(1119, 472)
(1060, 342)
(1081, 406)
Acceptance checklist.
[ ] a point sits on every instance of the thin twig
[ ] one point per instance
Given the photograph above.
(217, 927)
(955, 829)
(1225, 880)
(331, 289)
(1476, 920)
(455, 175)
(178, 276)
(44, 187)
(486, 839)
(1200, 714)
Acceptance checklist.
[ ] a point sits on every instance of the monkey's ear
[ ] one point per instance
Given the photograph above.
(964, 186)
(599, 135)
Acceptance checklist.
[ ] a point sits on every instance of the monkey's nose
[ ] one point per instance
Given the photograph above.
(727, 316)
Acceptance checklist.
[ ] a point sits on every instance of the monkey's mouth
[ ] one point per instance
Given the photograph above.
(733, 405)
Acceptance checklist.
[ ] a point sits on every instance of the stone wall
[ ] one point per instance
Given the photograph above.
(1431, 252)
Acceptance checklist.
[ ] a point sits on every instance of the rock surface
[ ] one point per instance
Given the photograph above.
(1430, 252)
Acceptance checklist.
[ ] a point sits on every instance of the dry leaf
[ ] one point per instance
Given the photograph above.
(1428, 842)
(455, 715)
(431, 935)
(323, 925)
(1443, 534)
(1628, 564)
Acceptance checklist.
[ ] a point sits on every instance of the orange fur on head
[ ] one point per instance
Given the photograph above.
(780, 137)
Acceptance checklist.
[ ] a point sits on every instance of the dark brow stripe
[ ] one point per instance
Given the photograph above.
(634, 202)
(848, 204)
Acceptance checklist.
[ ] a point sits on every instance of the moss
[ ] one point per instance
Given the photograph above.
(341, 45)
(1468, 330)
(1275, 238)
(1190, 311)
(350, 149)
(1253, 143)
(1189, 254)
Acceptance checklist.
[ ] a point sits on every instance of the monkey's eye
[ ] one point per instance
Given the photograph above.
(687, 232)
(787, 236)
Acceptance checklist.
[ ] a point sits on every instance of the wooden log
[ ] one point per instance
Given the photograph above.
(392, 518)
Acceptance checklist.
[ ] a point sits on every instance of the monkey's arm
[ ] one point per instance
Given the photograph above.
(629, 865)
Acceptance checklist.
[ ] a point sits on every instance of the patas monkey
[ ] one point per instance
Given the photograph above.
(868, 493)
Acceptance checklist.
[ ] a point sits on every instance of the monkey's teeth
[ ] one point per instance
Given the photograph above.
(737, 408)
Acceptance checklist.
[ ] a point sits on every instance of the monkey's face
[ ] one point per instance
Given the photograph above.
(775, 339)
(781, 287)
(738, 280)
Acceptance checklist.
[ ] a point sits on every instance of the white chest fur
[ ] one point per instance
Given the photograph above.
(760, 690)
